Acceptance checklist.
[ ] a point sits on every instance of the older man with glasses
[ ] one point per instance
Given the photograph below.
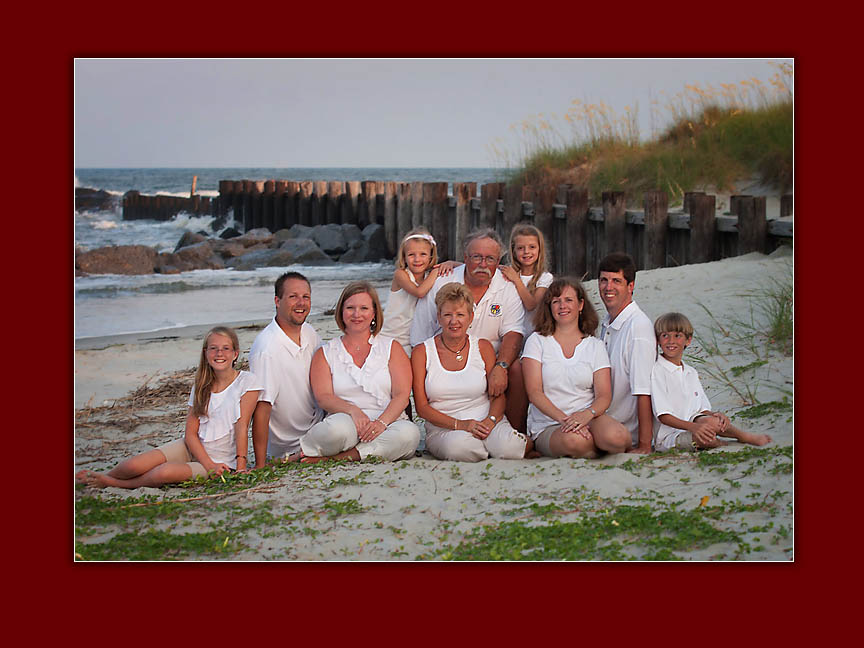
(498, 310)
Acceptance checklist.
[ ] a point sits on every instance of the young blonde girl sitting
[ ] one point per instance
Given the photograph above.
(528, 270)
(417, 269)
(217, 425)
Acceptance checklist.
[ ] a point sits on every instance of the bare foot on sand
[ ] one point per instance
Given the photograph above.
(309, 460)
(755, 439)
(90, 478)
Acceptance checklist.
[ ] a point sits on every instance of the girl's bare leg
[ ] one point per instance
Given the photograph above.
(164, 473)
(128, 468)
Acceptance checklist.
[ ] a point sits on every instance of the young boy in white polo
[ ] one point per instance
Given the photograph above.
(684, 413)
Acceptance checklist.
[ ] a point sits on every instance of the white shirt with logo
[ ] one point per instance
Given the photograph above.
(498, 312)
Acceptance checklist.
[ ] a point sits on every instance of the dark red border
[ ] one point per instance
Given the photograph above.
(710, 597)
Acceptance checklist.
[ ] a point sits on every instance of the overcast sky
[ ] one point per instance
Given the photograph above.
(356, 112)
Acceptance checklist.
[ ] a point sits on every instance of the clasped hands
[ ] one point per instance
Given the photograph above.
(708, 426)
(367, 429)
(577, 423)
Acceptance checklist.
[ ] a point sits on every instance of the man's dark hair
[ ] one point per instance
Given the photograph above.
(284, 277)
(619, 262)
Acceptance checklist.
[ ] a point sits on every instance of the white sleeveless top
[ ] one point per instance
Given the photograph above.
(398, 315)
(368, 387)
(460, 394)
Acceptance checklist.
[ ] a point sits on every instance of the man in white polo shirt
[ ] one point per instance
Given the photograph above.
(498, 310)
(280, 357)
(629, 337)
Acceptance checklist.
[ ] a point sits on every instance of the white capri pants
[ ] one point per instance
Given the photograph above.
(503, 442)
(337, 433)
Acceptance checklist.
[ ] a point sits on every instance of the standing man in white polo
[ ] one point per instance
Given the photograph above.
(498, 310)
(280, 357)
(629, 337)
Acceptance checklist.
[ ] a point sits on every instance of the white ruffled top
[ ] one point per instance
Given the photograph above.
(368, 387)
(216, 429)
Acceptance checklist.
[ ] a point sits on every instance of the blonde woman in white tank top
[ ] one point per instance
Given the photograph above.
(451, 392)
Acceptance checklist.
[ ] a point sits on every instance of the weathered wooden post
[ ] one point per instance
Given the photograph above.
(350, 202)
(279, 189)
(656, 226)
(256, 190)
(129, 199)
(238, 202)
(267, 219)
(391, 227)
(435, 205)
(366, 203)
(734, 201)
(194, 182)
(247, 206)
(289, 203)
(752, 225)
(318, 202)
(786, 205)
(543, 198)
(304, 207)
(687, 198)
(514, 195)
(614, 221)
(489, 195)
(703, 228)
(226, 197)
(335, 189)
(417, 205)
(463, 192)
(403, 212)
(575, 243)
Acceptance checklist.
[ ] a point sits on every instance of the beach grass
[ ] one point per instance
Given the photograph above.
(713, 137)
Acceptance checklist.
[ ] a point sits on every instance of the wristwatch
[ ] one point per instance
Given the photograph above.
(502, 364)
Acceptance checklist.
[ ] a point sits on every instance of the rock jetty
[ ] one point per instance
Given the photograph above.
(257, 248)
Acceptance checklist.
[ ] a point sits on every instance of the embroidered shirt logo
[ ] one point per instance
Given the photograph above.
(495, 310)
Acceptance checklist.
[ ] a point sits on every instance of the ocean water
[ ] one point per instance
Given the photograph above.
(115, 304)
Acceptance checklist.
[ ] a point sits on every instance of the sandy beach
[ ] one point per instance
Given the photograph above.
(732, 503)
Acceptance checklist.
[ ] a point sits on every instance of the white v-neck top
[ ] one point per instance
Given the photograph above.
(567, 382)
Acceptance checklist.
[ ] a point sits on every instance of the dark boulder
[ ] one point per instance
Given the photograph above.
(229, 233)
(87, 199)
(189, 238)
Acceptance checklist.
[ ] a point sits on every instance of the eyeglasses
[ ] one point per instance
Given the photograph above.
(477, 258)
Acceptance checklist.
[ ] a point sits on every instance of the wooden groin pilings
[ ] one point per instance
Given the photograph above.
(577, 235)
(160, 207)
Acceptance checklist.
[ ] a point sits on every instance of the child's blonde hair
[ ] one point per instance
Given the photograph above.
(673, 322)
(527, 229)
(204, 377)
(419, 233)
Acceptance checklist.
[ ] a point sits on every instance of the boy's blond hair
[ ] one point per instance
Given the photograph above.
(673, 322)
